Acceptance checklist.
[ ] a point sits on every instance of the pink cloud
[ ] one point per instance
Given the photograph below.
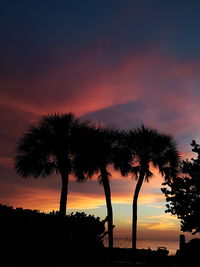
(88, 84)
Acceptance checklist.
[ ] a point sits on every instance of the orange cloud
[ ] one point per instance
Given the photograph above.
(163, 221)
(32, 198)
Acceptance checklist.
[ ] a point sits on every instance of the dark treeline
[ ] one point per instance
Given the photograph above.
(33, 227)
(30, 237)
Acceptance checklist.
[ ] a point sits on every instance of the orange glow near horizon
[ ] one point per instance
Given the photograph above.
(48, 200)
(151, 202)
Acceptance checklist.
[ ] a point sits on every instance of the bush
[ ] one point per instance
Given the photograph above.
(33, 234)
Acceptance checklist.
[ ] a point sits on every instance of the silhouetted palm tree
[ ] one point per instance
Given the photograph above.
(147, 146)
(94, 157)
(47, 148)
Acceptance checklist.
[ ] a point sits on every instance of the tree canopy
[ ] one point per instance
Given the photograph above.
(183, 193)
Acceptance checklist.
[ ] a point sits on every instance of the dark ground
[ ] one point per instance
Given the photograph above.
(59, 256)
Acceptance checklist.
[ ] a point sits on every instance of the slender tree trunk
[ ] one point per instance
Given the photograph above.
(106, 186)
(64, 192)
(135, 198)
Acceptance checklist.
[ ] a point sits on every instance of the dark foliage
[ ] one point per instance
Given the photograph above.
(183, 193)
(30, 226)
(31, 234)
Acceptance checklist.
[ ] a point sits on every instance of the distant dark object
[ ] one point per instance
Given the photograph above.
(162, 251)
(182, 242)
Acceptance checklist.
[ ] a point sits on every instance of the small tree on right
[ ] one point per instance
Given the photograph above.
(183, 193)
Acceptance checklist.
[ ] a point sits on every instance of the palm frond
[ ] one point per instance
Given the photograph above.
(135, 170)
(46, 148)
(148, 175)
(149, 146)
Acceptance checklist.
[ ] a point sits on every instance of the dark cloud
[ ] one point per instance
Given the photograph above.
(174, 118)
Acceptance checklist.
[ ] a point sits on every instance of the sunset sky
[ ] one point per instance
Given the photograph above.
(118, 62)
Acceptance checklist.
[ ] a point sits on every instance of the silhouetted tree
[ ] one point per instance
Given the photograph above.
(147, 146)
(183, 193)
(95, 155)
(47, 148)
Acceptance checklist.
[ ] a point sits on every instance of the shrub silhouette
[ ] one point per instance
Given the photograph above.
(27, 234)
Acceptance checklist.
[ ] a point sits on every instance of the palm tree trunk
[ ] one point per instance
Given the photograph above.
(64, 192)
(106, 186)
(135, 198)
